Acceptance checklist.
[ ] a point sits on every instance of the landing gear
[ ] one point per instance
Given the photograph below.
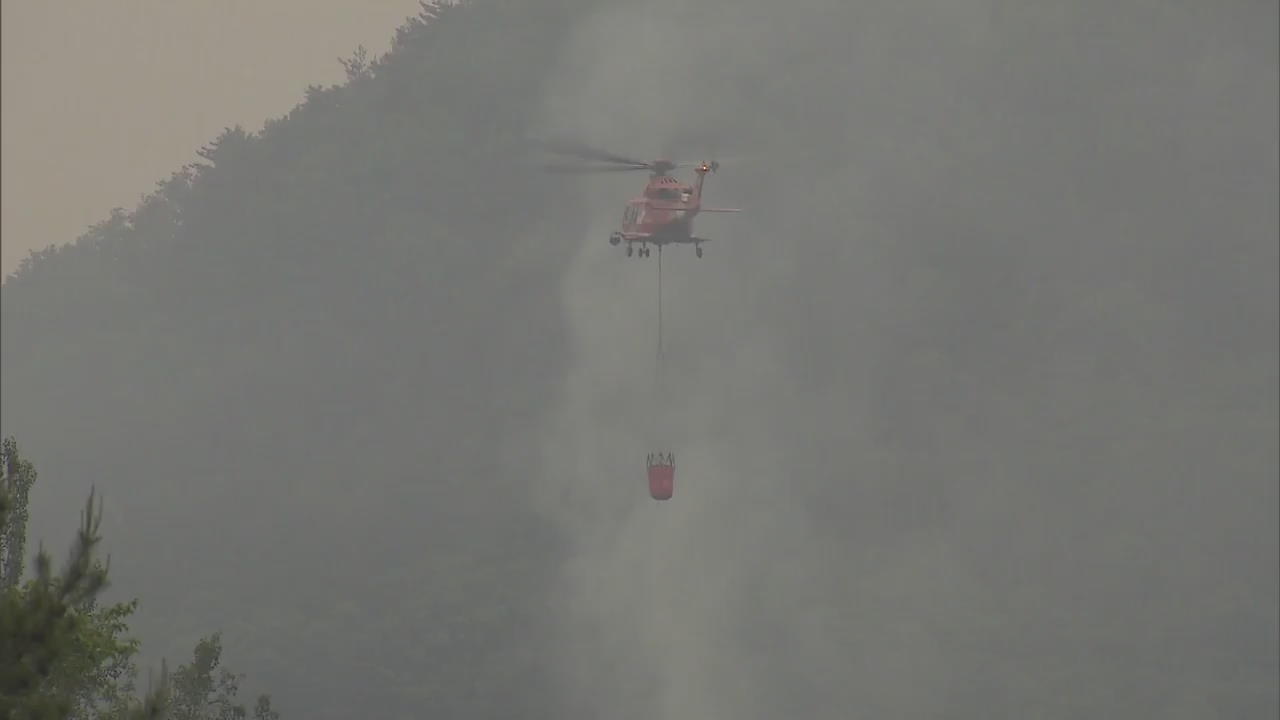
(642, 251)
(614, 239)
(698, 251)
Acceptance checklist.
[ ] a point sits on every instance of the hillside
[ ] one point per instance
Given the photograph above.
(212, 371)
(974, 407)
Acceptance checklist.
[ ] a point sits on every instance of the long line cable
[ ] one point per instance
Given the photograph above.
(659, 312)
(658, 370)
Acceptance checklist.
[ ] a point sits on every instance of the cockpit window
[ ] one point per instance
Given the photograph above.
(667, 194)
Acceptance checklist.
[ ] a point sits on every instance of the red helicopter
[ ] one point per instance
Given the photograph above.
(664, 213)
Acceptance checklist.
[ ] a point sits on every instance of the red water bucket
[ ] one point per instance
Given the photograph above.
(662, 475)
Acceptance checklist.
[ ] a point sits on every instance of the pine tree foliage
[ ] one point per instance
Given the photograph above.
(63, 655)
(19, 476)
(203, 690)
(42, 624)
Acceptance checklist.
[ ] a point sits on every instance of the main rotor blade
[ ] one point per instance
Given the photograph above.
(558, 168)
(586, 152)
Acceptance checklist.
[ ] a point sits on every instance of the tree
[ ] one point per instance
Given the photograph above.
(62, 655)
(198, 693)
(19, 476)
(357, 66)
(49, 640)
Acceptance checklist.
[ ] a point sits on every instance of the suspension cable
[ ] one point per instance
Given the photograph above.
(659, 311)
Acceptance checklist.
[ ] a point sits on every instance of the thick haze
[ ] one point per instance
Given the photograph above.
(102, 99)
(974, 407)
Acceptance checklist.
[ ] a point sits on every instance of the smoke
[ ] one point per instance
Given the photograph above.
(945, 423)
(651, 600)
(714, 604)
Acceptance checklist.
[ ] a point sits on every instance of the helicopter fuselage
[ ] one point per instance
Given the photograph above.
(663, 215)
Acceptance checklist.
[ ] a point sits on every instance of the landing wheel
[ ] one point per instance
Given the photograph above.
(629, 251)
(698, 251)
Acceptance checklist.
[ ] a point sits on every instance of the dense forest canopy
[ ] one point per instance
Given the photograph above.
(975, 406)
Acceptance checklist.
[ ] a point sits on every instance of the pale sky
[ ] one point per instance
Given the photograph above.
(103, 98)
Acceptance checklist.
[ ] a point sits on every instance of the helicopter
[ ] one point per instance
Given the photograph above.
(663, 214)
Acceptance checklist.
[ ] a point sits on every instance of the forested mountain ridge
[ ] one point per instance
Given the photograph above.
(350, 216)
(275, 328)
